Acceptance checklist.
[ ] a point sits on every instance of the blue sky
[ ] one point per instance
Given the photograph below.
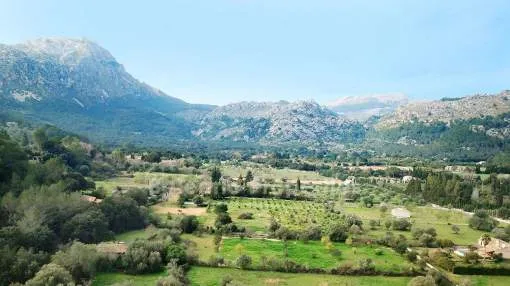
(225, 51)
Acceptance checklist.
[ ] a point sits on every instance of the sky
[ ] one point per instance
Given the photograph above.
(218, 52)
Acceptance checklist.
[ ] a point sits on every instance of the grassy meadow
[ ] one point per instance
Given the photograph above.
(202, 276)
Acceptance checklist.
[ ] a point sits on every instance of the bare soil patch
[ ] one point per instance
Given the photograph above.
(183, 211)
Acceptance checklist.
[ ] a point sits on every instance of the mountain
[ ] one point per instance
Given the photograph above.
(79, 86)
(363, 107)
(448, 110)
(275, 123)
(471, 128)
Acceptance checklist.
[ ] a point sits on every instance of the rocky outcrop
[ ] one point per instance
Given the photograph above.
(448, 110)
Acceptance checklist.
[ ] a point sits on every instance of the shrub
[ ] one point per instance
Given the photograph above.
(176, 276)
(401, 247)
(354, 229)
(220, 208)
(401, 224)
(482, 221)
(311, 233)
(222, 219)
(471, 257)
(216, 260)
(412, 256)
(198, 200)
(51, 275)
(243, 261)
(246, 216)
(144, 257)
(422, 281)
(189, 224)
(338, 233)
(351, 219)
(445, 243)
(373, 224)
(366, 266)
(79, 259)
(378, 251)
(176, 253)
(442, 260)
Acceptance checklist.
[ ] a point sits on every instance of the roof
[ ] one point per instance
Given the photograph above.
(495, 246)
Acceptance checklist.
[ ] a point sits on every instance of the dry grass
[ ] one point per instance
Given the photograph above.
(179, 211)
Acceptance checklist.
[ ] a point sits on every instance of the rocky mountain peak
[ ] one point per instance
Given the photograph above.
(66, 51)
(449, 109)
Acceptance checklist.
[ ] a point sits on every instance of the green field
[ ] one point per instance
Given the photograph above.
(203, 276)
(314, 253)
(123, 182)
(299, 215)
(146, 179)
(133, 235)
(103, 279)
(261, 172)
(489, 280)
(423, 217)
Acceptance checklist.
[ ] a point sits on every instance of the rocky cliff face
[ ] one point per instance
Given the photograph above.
(79, 86)
(301, 122)
(72, 69)
(448, 110)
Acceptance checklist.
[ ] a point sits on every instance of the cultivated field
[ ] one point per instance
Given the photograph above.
(202, 276)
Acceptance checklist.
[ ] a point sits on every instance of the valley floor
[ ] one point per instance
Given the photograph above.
(206, 276)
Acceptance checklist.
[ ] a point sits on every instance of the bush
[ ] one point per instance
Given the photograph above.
(51, 275)
(144, 257)
(401, 224)
(220, 208)
(378, 251)
(189, 223)
(246, 216)
(222, 219)
(79, 259)
(243, 261)
(176, 276)
(198, 200)
(366, 266)
(482, 221)
(412, 256)
(422, 281)
(442, 260)
(471, 257)
(445, 243)
(338, 233)
(176, 253)
(311, 233)
(216, 260)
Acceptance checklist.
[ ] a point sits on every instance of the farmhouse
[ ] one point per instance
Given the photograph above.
(494, 247)
(400, 213)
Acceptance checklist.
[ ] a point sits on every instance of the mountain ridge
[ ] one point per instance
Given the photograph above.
(78, 86)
